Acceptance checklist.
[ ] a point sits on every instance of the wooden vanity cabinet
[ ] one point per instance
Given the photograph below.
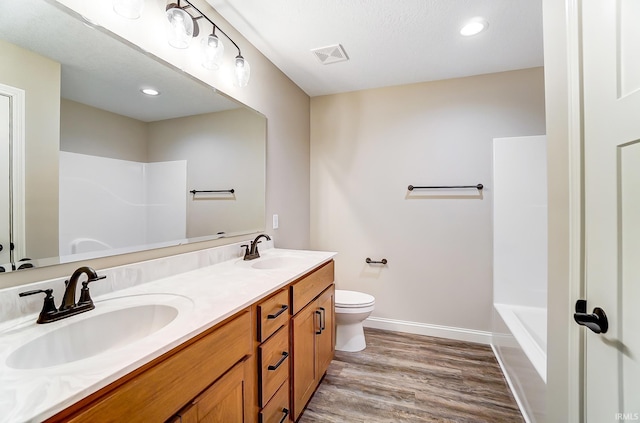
(261, 365)
(312, 334)
(161, 388)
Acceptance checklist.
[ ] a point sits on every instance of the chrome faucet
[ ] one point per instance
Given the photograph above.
(251, 252)
(69, 307)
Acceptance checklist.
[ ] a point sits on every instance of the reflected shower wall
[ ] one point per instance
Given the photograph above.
(122, 203)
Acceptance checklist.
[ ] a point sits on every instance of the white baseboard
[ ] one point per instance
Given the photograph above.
(460, 334)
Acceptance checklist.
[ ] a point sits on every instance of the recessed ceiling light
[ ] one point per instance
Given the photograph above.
(150, 91)
(473, 27)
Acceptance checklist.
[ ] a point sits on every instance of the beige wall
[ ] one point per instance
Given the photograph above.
(96, 132)
(39, 77)
(368, 146)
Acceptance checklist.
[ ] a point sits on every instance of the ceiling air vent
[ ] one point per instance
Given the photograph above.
(330, 54)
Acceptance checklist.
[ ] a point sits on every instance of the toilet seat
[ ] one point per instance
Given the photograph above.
(353, 299)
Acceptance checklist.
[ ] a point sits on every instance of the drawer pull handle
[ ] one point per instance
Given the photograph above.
(286, 414)
(279, 312)
(319, 331)
(282, 359)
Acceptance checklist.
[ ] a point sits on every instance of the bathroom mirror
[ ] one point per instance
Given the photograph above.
(107, 169)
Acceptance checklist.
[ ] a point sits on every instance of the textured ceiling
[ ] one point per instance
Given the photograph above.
(388, 42)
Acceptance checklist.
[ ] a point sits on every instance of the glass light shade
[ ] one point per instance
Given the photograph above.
(242, 72)
(180, 28)
(130, 9)
(212, 52)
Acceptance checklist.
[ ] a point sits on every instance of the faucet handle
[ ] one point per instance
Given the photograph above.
(48, 307)
(85, 297)
(48, 292)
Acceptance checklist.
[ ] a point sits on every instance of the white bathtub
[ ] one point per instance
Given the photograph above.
(528, 325)
(520, 345)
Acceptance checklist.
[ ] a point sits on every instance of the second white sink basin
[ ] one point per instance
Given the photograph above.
(91, 335)
(274, 262)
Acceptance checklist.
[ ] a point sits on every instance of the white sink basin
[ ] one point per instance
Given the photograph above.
(275, 262)
(93, 334)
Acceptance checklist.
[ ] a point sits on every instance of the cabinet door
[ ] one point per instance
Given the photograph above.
(156, 393)
(222, 402)
(304, 326)
(325, 341)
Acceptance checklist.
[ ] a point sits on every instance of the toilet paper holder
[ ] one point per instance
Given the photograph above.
(369, 261)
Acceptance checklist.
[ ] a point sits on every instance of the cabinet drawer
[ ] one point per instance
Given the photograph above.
(162, 390)
(272, 314)
(273, 363)
(309, 287)
(277, 411)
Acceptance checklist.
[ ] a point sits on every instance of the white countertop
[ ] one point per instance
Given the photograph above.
(204, 297)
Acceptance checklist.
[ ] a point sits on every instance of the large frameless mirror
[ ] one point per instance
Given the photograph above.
(94, 166)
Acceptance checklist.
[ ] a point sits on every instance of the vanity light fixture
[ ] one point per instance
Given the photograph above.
(474, 26)
(183, 26)
(130, 9)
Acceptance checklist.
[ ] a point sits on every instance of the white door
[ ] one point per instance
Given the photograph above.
(5, 157)
(611, 90)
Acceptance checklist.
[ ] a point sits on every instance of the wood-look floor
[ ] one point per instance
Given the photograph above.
(412, 378)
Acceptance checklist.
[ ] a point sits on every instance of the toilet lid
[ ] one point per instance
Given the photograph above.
(353, 299)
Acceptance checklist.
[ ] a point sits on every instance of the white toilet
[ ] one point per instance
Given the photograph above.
(351, 309)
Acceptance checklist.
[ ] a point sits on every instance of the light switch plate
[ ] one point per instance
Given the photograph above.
(275, 221)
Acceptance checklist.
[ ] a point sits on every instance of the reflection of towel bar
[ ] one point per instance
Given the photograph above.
(230, 191)
(478, 187)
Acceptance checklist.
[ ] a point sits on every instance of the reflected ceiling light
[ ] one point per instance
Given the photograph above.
(130, 9)
(150, 91)
(474, 26)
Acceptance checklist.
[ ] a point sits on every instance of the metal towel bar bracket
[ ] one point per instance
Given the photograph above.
(369, 261)
(479, 187)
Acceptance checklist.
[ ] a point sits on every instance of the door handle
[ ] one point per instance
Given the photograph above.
(596, 321)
